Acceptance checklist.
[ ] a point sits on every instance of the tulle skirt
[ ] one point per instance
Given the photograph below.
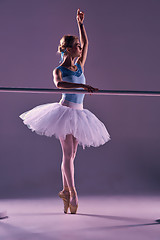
(59, 120)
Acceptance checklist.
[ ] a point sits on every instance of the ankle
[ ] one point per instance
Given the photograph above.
(73, 191)
(66, 188)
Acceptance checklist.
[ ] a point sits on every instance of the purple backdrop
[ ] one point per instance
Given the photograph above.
(123, 54)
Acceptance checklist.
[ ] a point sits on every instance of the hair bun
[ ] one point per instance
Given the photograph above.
(66, 41)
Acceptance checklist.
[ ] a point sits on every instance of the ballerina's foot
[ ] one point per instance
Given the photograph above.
(73, 204)
(66, 192)
(65, 196)
(74, 200)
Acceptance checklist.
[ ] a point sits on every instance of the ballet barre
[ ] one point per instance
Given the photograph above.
(99, 92)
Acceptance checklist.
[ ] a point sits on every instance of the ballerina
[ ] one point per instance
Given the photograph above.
(67, 120)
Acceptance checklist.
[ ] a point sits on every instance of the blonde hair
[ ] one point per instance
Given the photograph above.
(66, 41)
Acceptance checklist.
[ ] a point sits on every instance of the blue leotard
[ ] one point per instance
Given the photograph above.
(73, 77)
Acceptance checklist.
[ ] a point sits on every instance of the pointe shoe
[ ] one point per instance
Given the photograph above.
(73, 209)
(66, 199)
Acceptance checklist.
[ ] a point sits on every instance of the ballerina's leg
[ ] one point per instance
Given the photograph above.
(69, 149)
(75, 145)
(74, 196)
(64, 179)
(67, 161)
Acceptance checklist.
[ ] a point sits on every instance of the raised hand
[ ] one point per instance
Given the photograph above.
(80, 16)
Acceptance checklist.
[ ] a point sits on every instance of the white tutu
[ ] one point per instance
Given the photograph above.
(58, 120)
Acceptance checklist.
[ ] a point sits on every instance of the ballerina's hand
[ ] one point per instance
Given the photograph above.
(89, 88)
(80, 16)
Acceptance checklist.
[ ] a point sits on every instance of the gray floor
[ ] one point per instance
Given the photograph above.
(108, 218)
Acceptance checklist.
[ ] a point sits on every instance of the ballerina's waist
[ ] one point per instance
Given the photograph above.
(71, 104)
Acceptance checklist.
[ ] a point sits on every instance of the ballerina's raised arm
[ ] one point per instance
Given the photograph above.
(83, 38)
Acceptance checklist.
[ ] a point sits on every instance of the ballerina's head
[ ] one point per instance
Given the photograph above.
(69, 46)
